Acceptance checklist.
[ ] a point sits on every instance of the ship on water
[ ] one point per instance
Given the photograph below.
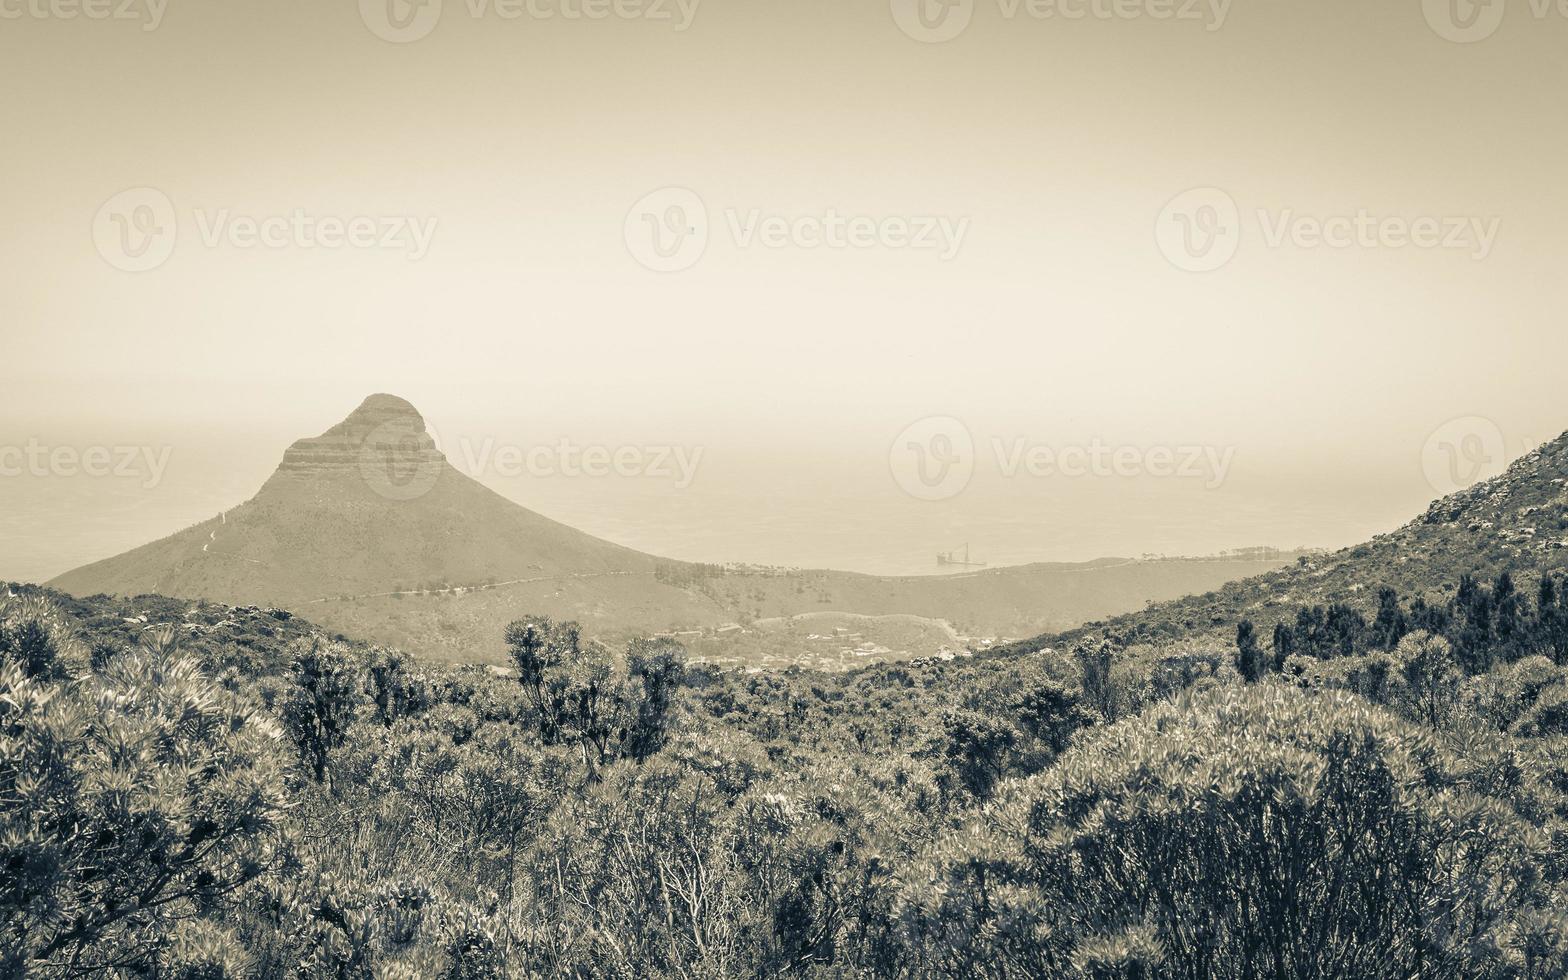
(951, 558)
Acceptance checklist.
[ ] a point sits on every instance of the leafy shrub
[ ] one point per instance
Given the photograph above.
(322, 701)
(977, 747)
(37, 635)
(130, 803)
(1548, 715)
(1428, 678)
(579, 696)
(1258, 831)
(1503, 696)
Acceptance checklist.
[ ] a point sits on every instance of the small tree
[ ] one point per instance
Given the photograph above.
(538, 646)
(977, 746)
(656, 668)
(1429, 677)
(1249, 656)
(594, 702)
(1390, 626)
(1051, 712)
(1508, 617)
(578, 694)
(393, 692)
(322, 701)
(1284, 646)
(1099, 690)
(1552, 621)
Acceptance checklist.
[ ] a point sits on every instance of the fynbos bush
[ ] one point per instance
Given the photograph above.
(1265, 831)
(130, 804)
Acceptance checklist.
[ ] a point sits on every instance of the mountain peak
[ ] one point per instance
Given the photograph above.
(383, 442)
(377, 411)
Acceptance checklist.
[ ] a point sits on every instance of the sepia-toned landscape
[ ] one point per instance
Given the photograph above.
(707, 489)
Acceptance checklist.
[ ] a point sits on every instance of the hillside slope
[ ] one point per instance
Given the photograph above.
(369, 530)
(1515, 522)
(370, 505)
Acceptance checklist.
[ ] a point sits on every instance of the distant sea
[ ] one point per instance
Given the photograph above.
(800, 512)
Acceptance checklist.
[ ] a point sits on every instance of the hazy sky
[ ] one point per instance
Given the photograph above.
(1036, 155)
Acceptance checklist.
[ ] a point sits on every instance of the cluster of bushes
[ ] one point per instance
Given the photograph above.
(140, 803)
(1249, 832)
(1483, 626)
(1099, 813)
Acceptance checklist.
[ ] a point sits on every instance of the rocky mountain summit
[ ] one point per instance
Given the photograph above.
(384, 442)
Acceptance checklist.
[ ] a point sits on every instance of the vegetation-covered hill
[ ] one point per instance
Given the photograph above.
(1516, 522)
(368, 506)
(369, 530)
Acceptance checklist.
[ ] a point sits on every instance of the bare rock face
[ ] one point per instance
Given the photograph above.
(383, 442)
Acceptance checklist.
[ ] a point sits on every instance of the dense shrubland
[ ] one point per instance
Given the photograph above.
(1375, 791)
(136, 800)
